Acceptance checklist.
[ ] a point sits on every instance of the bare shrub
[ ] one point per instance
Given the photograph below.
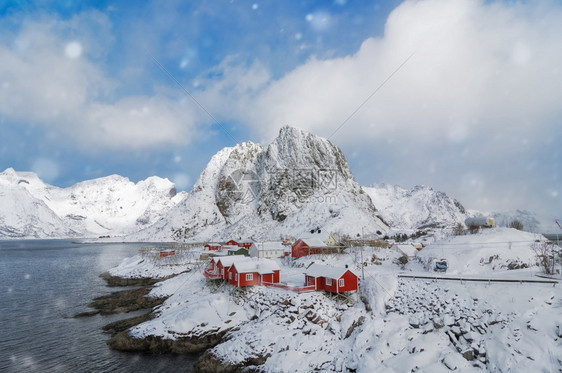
(473, 228)
(458, 230)
(516, 224)
(546, 254)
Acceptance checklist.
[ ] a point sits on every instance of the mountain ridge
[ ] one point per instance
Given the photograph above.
(298, 183)
(111, 205)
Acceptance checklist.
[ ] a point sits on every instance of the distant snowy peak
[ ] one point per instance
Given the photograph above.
(24, 216)
(416, 208)
(111, 205)
(298, 183)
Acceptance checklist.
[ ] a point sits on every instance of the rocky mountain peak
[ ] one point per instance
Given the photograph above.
(298, 182)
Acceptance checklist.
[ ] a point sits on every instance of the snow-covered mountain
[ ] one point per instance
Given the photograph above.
(298, 183)
(417, 208)
(111, 205)
(24, 216)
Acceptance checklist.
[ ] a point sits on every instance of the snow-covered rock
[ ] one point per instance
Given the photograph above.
(111, 205)
(297, 183)
(24, 216)
(416, 208)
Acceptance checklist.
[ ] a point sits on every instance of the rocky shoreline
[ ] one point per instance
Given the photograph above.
(129, 300)
(116, 281)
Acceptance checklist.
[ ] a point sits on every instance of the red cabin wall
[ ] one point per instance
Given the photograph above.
(349, 283)
(300, 249)
(232, 243)
(276, 276)
(331, 288)
(226, 270)
(211, 265)
(268, 277)
(232, 281)
(242, 278)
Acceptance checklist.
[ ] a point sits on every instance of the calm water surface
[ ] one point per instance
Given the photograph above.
(42, 284)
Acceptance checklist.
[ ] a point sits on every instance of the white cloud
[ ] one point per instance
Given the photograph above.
(483, 73)
(47, 169)
(52, 75)
(475, 66)
(73, 49)
(137, 122)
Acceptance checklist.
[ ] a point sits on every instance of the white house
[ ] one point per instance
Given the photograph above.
(267, 250)
(407, 250)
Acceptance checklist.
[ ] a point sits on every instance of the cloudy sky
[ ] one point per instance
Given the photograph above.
(464, 96)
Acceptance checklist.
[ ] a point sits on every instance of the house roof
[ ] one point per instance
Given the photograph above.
(227, 261)
(261, 266)
(314, 242)
(270, 246)
(406, 249)
(228, 247)
(322, 270)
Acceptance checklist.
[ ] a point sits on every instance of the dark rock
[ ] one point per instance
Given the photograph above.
(209, 363)
(123, 341)
(468, 354)
(120, 281)
(355, 324)
(124, 301)
(122, 325)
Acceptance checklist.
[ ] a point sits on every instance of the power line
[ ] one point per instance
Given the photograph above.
(371, 95)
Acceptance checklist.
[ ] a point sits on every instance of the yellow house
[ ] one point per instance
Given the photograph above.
(331, 240)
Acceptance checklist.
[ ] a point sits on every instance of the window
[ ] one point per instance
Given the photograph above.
(249, 276)
(236, 277)
(329, 281)
(341, 283)
(222, 272)
(230, 275)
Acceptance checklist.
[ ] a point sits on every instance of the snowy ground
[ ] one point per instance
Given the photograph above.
(392, 324)
(148, 264)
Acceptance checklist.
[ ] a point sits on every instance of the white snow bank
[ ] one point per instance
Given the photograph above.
(485, 252)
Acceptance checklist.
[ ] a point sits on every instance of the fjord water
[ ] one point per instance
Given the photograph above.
(42, 284)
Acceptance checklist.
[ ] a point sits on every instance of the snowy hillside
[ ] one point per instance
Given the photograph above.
(489, 251)
(298, 183)
(110, 205)
(416, 208)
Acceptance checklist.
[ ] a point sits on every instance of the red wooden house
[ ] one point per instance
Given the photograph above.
(219, 267)
(242, 243)
(304, 247)
(331, 279)
(254, 272)
(212, 247)
(165, 253)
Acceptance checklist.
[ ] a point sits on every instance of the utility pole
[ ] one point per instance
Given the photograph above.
(362, 263)
(557, 244)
